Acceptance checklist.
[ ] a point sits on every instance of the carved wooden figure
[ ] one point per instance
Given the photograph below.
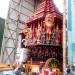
(49, 23)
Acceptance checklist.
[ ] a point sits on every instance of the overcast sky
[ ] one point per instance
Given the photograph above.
(5, 3)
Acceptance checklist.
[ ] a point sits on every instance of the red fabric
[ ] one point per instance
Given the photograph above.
(46, 72)
(54, 73)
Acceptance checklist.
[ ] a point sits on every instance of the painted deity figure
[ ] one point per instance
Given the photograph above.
(49, 23)
(30, 41)
(38, 34)
(43, 35)
(25, 31)
(58, 35)
(30, 33)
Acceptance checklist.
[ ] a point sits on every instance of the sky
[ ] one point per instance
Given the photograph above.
(4, 4)
(4, 8)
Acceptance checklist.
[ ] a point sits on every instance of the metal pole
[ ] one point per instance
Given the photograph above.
(64, 34)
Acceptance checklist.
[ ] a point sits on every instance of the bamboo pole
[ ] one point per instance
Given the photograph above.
(64, 34)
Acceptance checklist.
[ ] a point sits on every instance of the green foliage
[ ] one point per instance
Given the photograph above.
(53, 63)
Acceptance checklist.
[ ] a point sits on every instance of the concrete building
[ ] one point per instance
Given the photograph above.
(19, 11)
(71, 32)
(2, 23)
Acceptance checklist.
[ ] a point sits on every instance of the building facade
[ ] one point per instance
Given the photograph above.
(71, 31)
(2, 23)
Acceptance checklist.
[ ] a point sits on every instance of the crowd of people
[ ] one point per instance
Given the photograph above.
(69, 70)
